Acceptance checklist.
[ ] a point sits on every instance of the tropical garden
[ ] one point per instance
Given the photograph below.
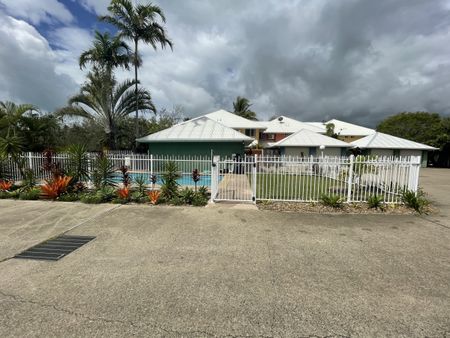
(105, 113)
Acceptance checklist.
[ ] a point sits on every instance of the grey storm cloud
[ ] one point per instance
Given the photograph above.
(358, 60)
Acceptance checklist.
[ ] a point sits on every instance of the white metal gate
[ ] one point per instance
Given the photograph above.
(234, 179)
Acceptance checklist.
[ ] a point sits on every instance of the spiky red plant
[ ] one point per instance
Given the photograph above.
(55, 187)
(5, 185)
(154, 196)
(123, 193)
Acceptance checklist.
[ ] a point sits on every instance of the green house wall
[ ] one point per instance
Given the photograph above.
(196, 148)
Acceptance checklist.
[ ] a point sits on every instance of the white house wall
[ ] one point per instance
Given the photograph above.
(297, 151)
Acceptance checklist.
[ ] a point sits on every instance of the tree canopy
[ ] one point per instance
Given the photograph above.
(242, 108)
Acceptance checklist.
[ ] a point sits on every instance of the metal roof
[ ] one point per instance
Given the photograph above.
(349, 129)
(286, 125)
(234, 121)
(308, 138)
(200, 129)
(385, 141)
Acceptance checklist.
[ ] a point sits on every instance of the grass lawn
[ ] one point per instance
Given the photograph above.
(296, 187)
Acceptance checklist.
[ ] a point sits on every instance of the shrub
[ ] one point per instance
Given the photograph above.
(154, 196)
(376, 202)
(28, 180)
(416, 201)
(91, 198)
(55, 187)
(103, 173)
(32, 194)
(78, 163)
(140, 182)
(169, 188)
(177, 201)
(137, 197)
(5, 195)
(203, 191)
(69, 197)
(195, 177)
(106, 194)
(187, 195)
(199, 200)
(333, 201)
(5, 185)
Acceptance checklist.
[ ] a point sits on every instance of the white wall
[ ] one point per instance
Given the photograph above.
(330, 152)
(381, 152)
(297, 151)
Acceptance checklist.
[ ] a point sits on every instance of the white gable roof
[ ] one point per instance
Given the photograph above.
(385, 141)
(287, 125)
(349, 129)
(308, 138)
(200, 129)
(234, 121)
(319, 125)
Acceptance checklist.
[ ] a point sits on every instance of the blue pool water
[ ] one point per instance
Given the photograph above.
(186, 179)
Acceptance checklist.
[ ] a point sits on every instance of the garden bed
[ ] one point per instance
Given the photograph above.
(347, 208)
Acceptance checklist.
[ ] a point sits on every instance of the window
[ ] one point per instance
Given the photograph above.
(250, 132)
(271, 136)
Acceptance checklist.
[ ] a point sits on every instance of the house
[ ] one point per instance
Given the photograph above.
(387, 145)
(345, 131)
(199, 136)
(283, 126)
(309, 143)
(243, 125)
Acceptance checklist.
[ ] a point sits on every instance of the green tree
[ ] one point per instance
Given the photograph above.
(242, 108)
(11, 114)
(96, 103)
(138, 23)
(107, 53)
(420, 127)
(330, 130)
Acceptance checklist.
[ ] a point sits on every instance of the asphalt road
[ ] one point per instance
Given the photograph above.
(200, 272)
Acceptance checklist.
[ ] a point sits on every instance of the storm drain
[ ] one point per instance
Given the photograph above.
(55, 248)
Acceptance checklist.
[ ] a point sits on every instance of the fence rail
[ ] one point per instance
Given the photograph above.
(253, 178)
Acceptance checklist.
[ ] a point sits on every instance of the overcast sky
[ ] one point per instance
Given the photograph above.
(309, 59)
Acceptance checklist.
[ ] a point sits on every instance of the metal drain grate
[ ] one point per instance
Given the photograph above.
(55, 248)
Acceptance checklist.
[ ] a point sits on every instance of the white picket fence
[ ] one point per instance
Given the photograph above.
(253, 178)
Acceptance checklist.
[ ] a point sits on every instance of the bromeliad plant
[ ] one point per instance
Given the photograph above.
(53, 188)
(5, 185)
(126, 179)
(195, 177)
(154, 196)
(124, 193)
(169, 188)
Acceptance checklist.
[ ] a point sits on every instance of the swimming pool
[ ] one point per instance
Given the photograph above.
(185, 179)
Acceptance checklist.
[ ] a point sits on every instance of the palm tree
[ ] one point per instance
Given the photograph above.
(242, 108)
(107, 52)
(138, 23)
(11, 114)
(106, 102)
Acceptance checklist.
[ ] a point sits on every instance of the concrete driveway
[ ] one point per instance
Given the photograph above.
(200, 272)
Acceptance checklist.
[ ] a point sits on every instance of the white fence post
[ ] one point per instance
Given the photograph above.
(151, 165)
(30, 160)
(90, 170)
(214, 177)
(350, 179)
(254, 169)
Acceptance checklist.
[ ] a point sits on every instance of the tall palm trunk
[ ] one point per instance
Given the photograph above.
(136, 88)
